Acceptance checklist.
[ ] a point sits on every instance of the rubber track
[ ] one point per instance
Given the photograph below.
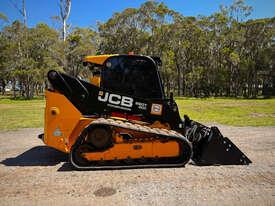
(161, 133)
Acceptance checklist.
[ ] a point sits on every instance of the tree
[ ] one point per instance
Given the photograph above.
(81, 42)
(27, 58)
(65, 8)
(22, 11)
(3, 19)
(223, 54)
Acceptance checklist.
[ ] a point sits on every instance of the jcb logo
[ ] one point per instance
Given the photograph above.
(115, 99)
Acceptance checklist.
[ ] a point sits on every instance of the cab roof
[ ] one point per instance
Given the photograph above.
(98, 59)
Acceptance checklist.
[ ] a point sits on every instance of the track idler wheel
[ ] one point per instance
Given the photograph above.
(76, 154)
(100, 137)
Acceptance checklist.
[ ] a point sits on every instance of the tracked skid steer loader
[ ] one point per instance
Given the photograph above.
(121, 118)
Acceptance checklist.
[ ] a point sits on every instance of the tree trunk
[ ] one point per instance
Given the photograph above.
(178, 79)
(3, 86)
(64, 30)
(13, 86)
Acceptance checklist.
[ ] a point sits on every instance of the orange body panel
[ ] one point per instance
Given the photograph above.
(82, 123)
(61, 117)
(95, 80)
(64, 123)
(145, 149)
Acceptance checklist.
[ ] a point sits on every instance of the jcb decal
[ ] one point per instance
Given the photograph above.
(115, 99)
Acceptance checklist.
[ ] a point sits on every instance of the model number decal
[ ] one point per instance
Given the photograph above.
(141, 105)
(115, 99)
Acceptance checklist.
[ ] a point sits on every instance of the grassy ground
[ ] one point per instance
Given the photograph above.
(29, 113)
(237, 112)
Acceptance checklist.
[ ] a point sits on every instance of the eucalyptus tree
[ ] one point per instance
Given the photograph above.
(81, 42)
(65, 8)
(216, 55)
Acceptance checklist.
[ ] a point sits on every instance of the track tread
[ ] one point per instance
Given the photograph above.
(164, 133)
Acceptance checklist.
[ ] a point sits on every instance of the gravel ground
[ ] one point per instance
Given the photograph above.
(33, 174)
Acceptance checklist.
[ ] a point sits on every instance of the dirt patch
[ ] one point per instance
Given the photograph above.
(104, 192)
(6, 106)
(33, 174)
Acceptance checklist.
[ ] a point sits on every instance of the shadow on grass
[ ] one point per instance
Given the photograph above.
(37, 156)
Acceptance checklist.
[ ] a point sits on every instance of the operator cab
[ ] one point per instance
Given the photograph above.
(131, 75)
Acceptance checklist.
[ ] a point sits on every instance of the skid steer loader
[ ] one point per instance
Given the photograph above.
(121, 118)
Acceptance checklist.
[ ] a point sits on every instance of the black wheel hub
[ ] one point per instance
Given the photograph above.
(100, 137)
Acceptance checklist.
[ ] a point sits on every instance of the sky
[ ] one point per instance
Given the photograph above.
(86, 13)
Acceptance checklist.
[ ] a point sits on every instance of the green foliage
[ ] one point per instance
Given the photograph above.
(4, 17)
(27, 54)
(224, 54)
(81, 42)
(218, 55)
